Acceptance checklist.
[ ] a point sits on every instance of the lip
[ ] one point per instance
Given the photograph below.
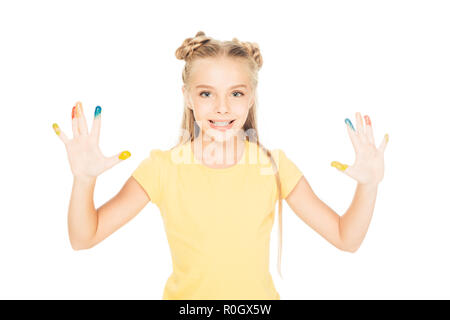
(221, 128)
(218, 120)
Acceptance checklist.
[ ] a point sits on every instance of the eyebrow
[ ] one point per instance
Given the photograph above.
(206, 86)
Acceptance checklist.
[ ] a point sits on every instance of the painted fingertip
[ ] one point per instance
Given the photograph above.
(124, 155)
(339, 165)
(386, 136)
(347, 121)
(78, 109)
(73, 112)
(56, 128)
(98, 111)
(368, 122)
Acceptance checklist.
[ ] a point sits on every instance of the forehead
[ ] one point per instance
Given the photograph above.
(219, 72)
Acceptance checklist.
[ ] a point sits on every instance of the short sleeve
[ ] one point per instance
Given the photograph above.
(148, 175)
(289, 173)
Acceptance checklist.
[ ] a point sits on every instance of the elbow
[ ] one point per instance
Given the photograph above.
(351, 249)
(77, 246)
(79, 242)
(343, 246)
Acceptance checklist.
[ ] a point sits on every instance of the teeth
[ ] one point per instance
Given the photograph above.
(221, 123)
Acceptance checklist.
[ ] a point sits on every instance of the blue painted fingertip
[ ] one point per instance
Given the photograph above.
(347, 121)
(98, 111)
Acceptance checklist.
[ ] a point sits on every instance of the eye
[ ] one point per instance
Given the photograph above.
(239, 92)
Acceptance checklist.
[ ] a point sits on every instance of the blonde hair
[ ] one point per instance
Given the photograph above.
(202, 46)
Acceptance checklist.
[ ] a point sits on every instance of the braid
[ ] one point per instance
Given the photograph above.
(253, 51)
(280, 202)
(190, 44)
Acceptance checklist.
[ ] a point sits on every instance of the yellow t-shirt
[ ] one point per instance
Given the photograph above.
(217, 220)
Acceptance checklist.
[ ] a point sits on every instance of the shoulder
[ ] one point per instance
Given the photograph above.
(277, 154)
(282, 160)
(171, 156)
(153, 159)
(154, 156)
(156, 153)
(165, 154)
(268, 156)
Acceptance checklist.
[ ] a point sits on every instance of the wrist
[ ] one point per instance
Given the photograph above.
(368, 186)
(84, 179)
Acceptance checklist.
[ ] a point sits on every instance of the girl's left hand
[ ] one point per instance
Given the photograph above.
(368, 168)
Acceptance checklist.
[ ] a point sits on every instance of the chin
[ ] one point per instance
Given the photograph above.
(221, 136)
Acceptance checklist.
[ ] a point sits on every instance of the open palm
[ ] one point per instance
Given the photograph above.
(368, 167)
(85, 158)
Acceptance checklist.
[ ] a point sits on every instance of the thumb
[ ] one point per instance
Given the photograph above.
(339, 165)
(112, 161)
(384, 142)
(345, 168)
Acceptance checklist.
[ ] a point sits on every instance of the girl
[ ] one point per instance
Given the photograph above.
(218, 187)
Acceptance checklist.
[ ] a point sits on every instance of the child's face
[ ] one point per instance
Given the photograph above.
(221, 101)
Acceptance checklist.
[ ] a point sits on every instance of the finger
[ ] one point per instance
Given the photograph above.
(60, 134)
(339, 166)
(75, 130)
(344, 168)
(384, 142)
(112, 161)
(95, 132)
(360, 128)
(359, 124)
(369, 130)
(82, 124)
(352, 133)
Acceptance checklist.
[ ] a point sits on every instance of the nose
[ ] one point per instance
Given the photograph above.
(222, 107)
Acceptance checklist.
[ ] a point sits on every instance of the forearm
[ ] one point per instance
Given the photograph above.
(355, 222)
(82, 217)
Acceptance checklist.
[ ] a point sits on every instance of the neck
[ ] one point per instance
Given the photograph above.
(218, 153)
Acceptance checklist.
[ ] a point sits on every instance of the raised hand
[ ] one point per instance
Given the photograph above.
(369, 162)
(86, 159)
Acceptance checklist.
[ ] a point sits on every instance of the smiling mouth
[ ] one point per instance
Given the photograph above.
(221, 125)
(221, 122)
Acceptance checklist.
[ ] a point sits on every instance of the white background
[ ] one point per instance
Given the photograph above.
(323, 61)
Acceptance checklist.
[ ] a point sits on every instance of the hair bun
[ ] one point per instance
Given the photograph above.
(190, 44)
(253, 51)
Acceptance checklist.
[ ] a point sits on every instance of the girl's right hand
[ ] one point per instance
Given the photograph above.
(86, 159)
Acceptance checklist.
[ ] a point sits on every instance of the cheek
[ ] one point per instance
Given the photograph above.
(241, 112)
(201, 112)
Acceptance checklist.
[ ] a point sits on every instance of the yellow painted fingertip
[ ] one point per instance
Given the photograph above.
(339, 165)
(124, 155)
(56, 128)
(386, 136)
